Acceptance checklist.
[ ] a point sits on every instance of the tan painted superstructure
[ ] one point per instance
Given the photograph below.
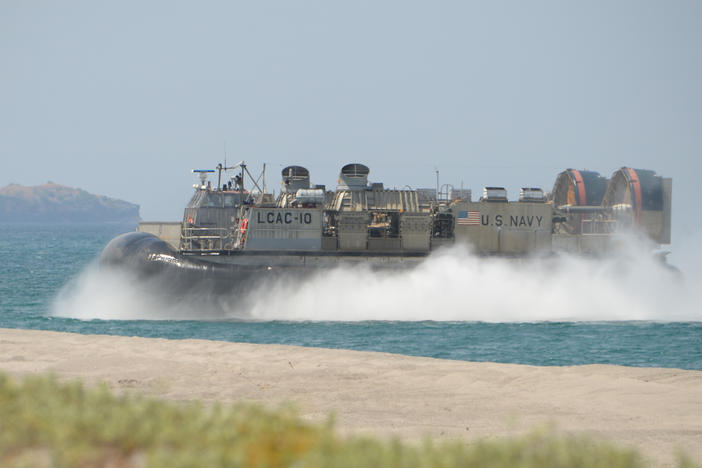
(364, 221)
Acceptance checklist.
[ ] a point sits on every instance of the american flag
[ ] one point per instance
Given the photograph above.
(469, 218)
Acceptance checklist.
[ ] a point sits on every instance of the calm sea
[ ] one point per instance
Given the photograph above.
(41, 262)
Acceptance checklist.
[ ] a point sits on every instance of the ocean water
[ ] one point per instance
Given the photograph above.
(626, 309)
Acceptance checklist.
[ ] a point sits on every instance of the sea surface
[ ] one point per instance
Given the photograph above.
(49, 281)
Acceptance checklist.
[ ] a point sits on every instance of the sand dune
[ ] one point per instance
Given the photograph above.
(655, 410)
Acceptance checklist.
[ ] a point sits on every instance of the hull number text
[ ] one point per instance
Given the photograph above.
(273, 217)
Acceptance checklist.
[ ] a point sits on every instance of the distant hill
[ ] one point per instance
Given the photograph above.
(61, 204)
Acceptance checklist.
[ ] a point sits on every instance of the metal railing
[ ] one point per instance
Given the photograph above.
(598, 226)
(205, 239)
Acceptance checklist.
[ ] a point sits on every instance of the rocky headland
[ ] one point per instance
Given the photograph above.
(57, 203)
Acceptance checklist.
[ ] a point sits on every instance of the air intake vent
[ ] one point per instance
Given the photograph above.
(295, 178)
(353, 176)
(494, 194)
(531, 194)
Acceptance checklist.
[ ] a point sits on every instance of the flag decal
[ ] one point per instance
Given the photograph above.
(469, 218)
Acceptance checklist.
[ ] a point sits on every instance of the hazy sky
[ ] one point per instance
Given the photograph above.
(125, 98)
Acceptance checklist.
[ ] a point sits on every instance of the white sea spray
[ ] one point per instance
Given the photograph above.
(451, 285)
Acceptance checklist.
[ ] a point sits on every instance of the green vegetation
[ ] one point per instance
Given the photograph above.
(46, 423)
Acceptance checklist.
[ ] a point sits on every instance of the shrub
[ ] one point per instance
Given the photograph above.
(46, 423)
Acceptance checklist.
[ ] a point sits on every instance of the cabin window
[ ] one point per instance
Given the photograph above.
(231, 200)
(214, 200)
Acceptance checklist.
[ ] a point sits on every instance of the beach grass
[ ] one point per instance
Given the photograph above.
(44, 422)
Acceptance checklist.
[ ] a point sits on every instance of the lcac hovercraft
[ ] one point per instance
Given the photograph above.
(236, 233)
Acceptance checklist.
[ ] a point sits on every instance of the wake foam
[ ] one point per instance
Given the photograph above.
(451, 285)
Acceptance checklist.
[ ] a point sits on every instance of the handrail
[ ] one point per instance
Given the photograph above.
(208, 239)
(598, 226)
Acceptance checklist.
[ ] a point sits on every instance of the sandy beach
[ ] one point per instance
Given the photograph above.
(654, 410)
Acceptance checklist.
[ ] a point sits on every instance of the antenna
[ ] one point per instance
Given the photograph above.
(437, 182)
